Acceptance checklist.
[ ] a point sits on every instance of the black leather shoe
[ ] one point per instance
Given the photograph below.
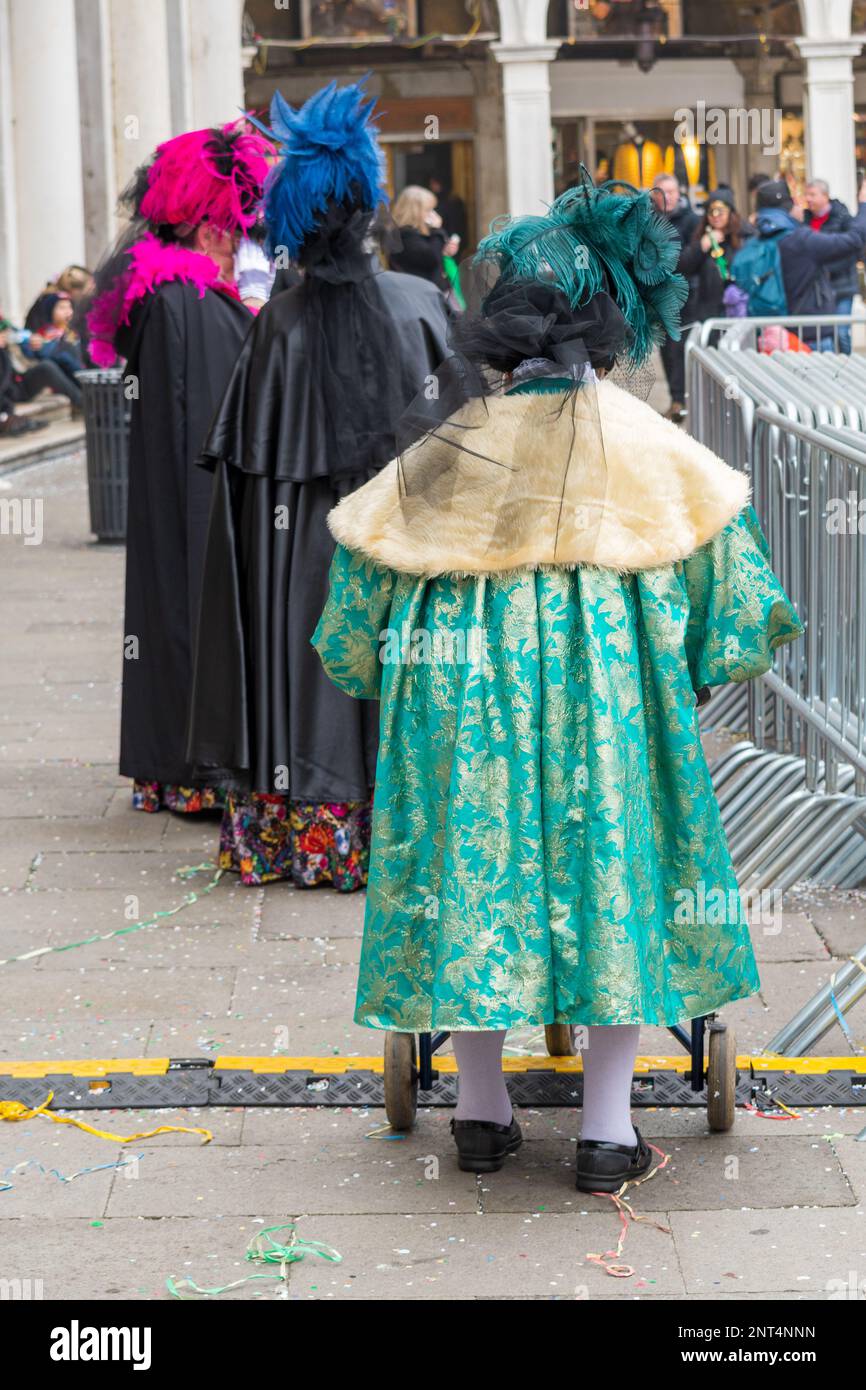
(604, 1167)
(483, 1146)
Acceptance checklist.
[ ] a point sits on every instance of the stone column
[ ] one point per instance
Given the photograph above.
(491, 194)
(179, 75)
(140, 82)
(46, 143)
(828, 51)
(99, 185)
(525, 54)
(216, 69)
(10, 299)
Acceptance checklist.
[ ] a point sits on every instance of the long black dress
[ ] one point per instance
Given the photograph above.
(265, 718)
(181, 346)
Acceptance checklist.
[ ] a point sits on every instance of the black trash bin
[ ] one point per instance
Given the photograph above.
(106, 428)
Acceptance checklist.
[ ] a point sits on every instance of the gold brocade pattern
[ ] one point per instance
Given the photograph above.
(546, 844)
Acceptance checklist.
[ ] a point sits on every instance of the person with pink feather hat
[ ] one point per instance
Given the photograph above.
(167, 302)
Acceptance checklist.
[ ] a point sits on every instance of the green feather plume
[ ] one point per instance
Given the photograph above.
(608, 237)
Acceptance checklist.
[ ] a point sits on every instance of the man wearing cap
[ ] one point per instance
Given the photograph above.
(805, 258)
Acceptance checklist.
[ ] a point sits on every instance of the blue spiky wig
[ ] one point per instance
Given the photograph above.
(329, 153)
(608, 239)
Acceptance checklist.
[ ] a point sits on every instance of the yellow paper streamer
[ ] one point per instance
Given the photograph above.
(17, 1110)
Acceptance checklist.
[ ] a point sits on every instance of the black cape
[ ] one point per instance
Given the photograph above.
(182, 348)
(265, 717)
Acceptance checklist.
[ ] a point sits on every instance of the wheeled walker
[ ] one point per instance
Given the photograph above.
(409, 1069)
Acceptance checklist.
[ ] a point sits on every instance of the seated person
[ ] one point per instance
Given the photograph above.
(20, 382)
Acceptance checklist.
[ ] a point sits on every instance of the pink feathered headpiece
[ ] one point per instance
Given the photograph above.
(214, 175)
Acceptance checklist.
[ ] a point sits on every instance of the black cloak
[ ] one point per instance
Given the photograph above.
(265, 717)
(181, 347)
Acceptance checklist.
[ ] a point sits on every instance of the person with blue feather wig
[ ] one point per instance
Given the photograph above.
(309, 415)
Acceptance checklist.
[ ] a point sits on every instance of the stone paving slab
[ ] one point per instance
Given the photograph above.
(104, 868)
(464, 1256)
(81, 913)
(717, 1172)
(129, 1258)
(246, 1181)
(137, 833)
(290, 912)
(839, 920)
(197, 834)
(120, 991)
(796, 940)
(73, 1038)
(851, 1155)
(227, 940)
(35, 747)
(272, 1035)
(771, 1250)
(16, 863)
(24, 801)
(296, 994)
(41, 698)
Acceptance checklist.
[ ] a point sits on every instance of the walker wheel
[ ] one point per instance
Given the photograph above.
(401, 1080)
(559, 1038)
(721, 1077)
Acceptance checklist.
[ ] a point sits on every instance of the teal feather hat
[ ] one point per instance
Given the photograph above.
(606, 238)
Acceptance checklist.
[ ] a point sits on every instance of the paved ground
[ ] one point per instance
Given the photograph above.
(772, 1209)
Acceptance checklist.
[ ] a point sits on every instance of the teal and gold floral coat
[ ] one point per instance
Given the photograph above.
(546, 844)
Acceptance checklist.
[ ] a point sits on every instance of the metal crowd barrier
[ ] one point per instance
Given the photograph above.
(725, 383)
(810, 494)
(735, 334)
(793, 795)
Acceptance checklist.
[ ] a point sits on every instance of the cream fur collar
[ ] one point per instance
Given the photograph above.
(650, 496)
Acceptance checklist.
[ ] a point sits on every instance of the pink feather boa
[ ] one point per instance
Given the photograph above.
(152, 262)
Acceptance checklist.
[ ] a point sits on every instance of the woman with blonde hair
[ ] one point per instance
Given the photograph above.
(422, 243)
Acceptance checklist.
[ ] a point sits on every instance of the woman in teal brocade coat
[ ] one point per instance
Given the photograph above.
(546, 844)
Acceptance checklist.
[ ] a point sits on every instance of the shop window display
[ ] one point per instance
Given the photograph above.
(336, 19)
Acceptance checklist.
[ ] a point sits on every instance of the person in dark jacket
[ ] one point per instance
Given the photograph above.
(423, 241)
(684, 221)
(805, 258)
(76, 281)
(167, 301)
(451, 208)
(828, 215)
(707, 259)
(17, 386)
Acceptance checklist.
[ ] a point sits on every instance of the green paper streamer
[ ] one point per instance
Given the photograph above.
(262, 1249)
(186, 872)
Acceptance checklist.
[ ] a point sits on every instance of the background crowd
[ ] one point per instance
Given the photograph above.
(786, 268)
(788, 254)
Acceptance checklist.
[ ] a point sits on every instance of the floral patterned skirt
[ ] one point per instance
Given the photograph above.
(265, 837)
(154, 796)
